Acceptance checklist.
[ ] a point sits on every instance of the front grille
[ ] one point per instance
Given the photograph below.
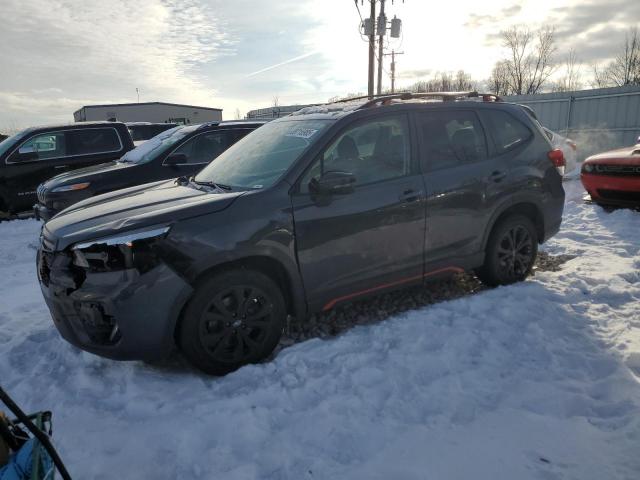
(619, 195)
(45, 259)
(621, 170)
(41, 194)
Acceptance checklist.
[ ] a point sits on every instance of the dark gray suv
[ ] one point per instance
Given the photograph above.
(327, 205)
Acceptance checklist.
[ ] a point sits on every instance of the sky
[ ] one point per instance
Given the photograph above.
(59, 55)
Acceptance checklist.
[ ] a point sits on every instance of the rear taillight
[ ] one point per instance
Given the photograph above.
(557, 158)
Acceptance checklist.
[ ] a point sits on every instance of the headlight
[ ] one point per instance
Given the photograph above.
(587, 167)
(134, 249)
(69, 188)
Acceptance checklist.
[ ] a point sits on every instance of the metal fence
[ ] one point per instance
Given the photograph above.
(274, 112)
(597, 120)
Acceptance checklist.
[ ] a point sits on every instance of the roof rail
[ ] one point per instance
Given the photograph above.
(445, 96)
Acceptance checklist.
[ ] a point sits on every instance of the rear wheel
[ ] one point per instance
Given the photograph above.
(233, 319)
(511, 252)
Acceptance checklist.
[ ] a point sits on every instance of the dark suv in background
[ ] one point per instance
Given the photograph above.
(180, 151)
(143, 131)
(321, 207)
(32, 156)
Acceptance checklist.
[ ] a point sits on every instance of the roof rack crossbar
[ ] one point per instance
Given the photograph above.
(445, 96)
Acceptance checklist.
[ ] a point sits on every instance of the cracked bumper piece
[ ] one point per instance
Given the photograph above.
(123, 315)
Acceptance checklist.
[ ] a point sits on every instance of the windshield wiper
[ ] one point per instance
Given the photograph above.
(219, 186)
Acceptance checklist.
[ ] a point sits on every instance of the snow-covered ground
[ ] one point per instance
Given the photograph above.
(539, 380)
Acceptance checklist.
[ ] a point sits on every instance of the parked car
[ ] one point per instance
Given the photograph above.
(143, 131)
(180, 151)
(613, 178)
(568, 147)
(31, 156)
(312, 210)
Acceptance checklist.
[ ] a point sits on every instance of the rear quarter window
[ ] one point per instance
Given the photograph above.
(507, 131)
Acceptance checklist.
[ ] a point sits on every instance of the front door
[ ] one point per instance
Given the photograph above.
(37, 159)
(369, 238)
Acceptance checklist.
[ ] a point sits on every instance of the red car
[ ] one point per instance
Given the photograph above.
(613, 177)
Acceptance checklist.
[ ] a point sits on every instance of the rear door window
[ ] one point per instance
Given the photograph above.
(508, 132)
(451, 138)
(93, 141)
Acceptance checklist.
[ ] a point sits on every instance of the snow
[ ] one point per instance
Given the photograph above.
(539, 380)
(331, 108)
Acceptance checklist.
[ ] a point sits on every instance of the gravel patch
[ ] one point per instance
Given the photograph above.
(380, 307)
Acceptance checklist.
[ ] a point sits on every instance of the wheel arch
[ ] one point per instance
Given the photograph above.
(289, 283)
(528, 208)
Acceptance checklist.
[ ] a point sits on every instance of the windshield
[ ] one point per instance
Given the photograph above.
(156, 145)
(260, 158)
(11, 141)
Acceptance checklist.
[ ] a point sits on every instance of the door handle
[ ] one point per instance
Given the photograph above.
(58, 167)
(410, 195)
(497, 176)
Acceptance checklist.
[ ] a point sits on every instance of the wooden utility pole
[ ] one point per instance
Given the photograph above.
(393, 68)
(381, 31)
(372, 48)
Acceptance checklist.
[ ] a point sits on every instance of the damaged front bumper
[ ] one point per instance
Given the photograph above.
(120, 314)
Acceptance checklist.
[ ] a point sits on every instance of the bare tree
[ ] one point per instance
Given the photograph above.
(238, 115)
(276, 101)
(444, 82)
(498, 82)
(463, 82)
(530, 59)
(346, 96)
(625, 68)
(572, 78)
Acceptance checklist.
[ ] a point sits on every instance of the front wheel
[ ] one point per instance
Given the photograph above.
(234, 318)
(511, 252)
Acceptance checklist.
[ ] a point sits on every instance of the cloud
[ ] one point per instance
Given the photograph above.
(479, 20)
(286, 62)
(94, 52)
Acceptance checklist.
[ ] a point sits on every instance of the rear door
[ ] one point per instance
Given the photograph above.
(463, 183)
(372, 237)
(91, 146)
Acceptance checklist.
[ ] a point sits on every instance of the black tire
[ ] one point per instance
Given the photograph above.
(234, 318)
(4, 210)
(511, 252)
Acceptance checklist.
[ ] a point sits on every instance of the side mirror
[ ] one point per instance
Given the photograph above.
(175, 159)
(333, 183)
(638, 141)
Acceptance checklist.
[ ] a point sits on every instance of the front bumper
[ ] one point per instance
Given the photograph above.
(43, 213)
(123, 315)
(611, 189)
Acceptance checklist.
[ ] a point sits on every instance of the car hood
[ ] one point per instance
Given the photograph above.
(132, 208)
(621, 156)
(87, 174)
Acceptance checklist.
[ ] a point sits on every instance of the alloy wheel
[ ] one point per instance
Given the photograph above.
(515, 252)
(235, 325)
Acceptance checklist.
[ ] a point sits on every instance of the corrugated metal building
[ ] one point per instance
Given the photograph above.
(598, 120)
(275, 112)
(155, 112)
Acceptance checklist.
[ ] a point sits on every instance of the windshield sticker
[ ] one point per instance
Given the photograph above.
(301, 132)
